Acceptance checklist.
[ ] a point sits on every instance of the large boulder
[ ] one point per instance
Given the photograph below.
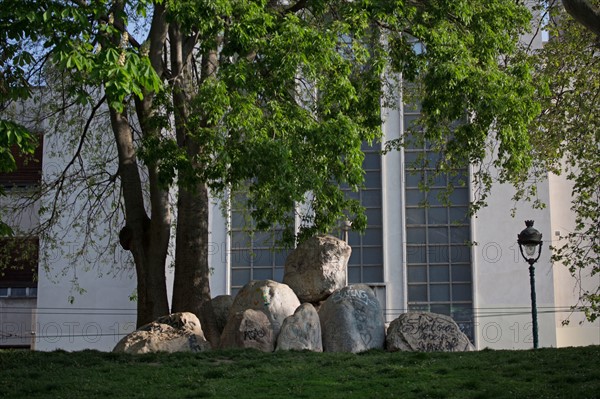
(177, 332)
(352, 320)
(221, 305)
(301, 331)
(317, 267)
(277, 300)
(248, 329)
(426, 332)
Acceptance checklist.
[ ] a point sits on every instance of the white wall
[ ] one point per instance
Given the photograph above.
(83, 298)
(502, 292)
(218, 252)
(579, 331)
(98, 319)
(393, 217)
(501, 277)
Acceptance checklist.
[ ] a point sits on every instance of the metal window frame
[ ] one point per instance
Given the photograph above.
(453, 306)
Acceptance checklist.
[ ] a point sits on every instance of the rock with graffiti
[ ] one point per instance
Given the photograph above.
(301, 331)
(276, 300)
(426, 332)
(352, 320)
(248, 329)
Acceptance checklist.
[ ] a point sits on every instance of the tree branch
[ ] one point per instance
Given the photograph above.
(61, 180)
(584, 13)
(158, 37)
(117, 24)
(296, 7)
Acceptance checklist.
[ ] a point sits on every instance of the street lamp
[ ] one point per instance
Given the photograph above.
(530, 242)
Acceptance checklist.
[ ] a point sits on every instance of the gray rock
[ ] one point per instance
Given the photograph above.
(277, 300)
(177, 332)
(248, 329)
(317, 267)
(301, 331)
(221, 305)
(426, 332)
(352, 320)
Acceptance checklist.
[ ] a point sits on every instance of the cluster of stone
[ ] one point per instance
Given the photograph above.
(313, 309)
(275, 301)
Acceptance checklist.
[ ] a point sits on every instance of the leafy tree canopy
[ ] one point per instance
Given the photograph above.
(297, 84)
(566, 135)
(274, 96)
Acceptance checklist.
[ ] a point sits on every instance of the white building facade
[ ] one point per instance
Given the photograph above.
(415, 258)
(433, 258)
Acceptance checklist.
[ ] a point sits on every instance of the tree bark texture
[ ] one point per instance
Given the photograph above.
(151, 287)
(191, 257)
(191, 287)
(584, 13)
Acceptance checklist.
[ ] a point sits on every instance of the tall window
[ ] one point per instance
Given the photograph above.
(437, 236)
(29, 168)
(19, 255)
(18, 266)
(256, 256)
(253, 255)
(366, 263)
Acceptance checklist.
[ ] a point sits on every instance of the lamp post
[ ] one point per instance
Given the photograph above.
(530, 242)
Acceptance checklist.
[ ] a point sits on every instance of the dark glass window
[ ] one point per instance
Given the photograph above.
(254, 255)
(438, 255)
(19, 262)
(366, 263)
(29, 168)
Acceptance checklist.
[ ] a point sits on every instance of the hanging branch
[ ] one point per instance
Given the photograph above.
(61, 179)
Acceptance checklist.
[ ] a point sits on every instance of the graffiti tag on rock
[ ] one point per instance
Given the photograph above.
(357, 295)
(254, 334)
(431, 333)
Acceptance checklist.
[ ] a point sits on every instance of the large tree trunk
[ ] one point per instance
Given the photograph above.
(146, 237)
(584, 13)
(191, 288)
(141, 235)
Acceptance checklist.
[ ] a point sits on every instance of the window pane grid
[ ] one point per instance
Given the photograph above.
(254, 255)
(249, 255)
(366, 262)
(437, 236)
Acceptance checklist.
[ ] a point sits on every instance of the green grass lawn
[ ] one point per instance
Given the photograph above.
(546, 373)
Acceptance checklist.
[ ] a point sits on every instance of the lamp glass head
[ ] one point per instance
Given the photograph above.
(530, 249)
(529, 240)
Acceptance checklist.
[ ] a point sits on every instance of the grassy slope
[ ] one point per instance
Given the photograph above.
(550, 373)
